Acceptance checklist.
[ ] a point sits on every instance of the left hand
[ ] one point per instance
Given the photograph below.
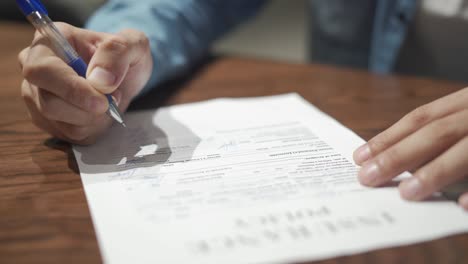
(431, 142)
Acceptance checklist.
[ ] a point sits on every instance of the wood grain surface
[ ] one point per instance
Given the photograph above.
(44, 217)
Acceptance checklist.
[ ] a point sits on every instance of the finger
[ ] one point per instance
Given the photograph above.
(113, 57)
(36, 117)
(463, 201)
(22, 57)
(42, 68)
(411, 123)
(73, 133)
(82, 40)
(52, 74)
(415, 150)
(54, 108)
(446, 169)
(84, 135)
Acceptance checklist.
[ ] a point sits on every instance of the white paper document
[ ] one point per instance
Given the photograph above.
(257, 180)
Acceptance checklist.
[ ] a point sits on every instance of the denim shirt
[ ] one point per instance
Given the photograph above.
(358, 33)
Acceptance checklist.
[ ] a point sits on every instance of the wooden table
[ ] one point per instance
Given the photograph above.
(44, 217)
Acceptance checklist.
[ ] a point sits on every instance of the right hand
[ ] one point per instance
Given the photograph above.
(73, 108)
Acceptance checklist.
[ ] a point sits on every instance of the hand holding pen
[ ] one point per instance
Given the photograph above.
(59, 99)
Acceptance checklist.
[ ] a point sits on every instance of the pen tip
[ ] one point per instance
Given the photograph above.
(123, 124)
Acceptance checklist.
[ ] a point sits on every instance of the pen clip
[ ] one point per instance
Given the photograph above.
(30, 6)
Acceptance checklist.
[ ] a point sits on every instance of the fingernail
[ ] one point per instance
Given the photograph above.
(101, 77)
(410, 188)
(369, 174)
(97, 104)
(362, 154)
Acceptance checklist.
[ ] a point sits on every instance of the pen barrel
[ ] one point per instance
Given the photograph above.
(79, 66)
(60, 44)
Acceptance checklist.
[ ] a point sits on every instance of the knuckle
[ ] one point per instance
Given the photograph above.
(74, 93)
(129, 32)
(30, 71)
(378, 144)
(116, 44)
(35, 70)
(44, 105)
(139, 37)
(445, 131)
(139, 40)
(38, 37)
(429, 177)
(144, 41)
(420, 116)
(22, 55)
(65, 29)
(69, 93)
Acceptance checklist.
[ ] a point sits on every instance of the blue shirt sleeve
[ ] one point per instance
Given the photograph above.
(180, 31)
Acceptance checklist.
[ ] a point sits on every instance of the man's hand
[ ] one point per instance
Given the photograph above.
(73, 108)
(431, 141)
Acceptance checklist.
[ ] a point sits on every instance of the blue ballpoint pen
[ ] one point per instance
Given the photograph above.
(37, 14)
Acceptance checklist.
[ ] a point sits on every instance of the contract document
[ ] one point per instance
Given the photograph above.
(256, 180)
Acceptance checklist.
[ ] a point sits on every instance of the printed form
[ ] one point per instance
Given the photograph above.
(256, 180)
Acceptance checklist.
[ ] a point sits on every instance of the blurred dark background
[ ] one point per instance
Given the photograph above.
(257, 38)
(281, 32)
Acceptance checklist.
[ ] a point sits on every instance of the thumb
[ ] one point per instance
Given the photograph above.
(112, 59)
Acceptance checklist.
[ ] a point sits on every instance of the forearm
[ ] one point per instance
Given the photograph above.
(180, 32)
